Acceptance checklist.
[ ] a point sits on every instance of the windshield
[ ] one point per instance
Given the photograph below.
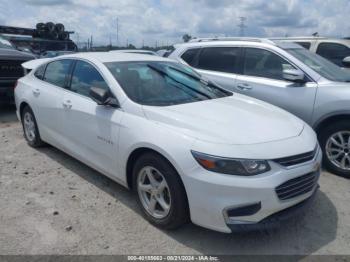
(321, 65)
(163, 83)
(4, 43)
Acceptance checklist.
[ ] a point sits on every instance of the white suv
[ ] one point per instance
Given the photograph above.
(336, 50)
(286, 75)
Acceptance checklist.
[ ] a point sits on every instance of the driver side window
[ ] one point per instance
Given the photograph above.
(263, 63)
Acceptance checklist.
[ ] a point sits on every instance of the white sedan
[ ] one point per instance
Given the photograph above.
(188, 148)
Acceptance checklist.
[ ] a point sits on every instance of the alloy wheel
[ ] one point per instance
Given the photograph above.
(338, 149)
(154, 193)
(29, 126)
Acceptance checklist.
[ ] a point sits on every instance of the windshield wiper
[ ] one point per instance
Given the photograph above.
(208, 83)
(163, 72)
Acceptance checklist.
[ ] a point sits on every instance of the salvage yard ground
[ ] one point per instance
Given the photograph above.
(51, 203)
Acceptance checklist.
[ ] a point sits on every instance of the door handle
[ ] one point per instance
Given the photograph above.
(36, 91)
(244, 86)
(67, 104)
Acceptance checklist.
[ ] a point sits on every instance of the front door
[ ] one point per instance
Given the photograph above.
(91, 130)
(262, 78)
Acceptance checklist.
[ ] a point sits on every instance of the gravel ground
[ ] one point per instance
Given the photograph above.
(51, 203)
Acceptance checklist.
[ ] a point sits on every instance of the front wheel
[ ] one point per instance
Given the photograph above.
(161, 194)
(335, 143)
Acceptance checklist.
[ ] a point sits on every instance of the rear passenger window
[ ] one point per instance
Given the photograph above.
(57, 71)
(190, 56)
(39, 72)
(263, 63)
(84, 77)
(221, 59)
(333, 52)
(306, 45)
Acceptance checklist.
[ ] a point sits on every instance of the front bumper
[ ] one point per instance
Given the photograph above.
(210, 195)
(277, 219)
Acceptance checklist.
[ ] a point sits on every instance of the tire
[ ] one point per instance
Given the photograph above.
(31, 134)
(50, 26)
(40, 26)
(334, 130)
(59, 28)
(54, 35)
(174, 194)
(63, 36)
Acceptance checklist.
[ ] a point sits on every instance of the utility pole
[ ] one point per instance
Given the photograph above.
(242, 25)
(117, 31)
(78, 40)
(91, 43)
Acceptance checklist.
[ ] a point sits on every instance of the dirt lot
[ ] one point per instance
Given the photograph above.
(52, 204)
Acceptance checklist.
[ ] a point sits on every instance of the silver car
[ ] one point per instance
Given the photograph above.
(286, 75)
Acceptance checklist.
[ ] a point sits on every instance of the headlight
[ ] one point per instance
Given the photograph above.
(239, 167)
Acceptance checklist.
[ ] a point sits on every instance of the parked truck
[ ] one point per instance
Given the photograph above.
(18, 45)
(10, 69)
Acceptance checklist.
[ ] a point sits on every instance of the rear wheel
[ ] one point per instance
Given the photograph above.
(161, 194)
(335, 143)
(30, 128)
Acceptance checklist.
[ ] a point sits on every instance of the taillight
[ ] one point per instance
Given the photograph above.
(15, 84)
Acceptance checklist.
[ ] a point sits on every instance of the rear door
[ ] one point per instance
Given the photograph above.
(47, 94)
(262, 77)
(218, 63)
(91, 131)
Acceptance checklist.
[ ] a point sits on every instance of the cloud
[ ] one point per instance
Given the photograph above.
(48, 2)
(165, 21)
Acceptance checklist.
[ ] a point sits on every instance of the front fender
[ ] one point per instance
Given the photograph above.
(322, 118)
(139, 132)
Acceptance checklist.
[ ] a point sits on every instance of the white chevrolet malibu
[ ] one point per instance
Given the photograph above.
(188, 148)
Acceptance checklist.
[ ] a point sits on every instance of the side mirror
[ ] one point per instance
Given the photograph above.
(346, 61)
(102, 97)
(294, 75)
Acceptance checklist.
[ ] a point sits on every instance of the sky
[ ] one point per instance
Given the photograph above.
(162, 22)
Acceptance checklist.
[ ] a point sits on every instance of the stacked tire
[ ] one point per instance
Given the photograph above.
(51, 31)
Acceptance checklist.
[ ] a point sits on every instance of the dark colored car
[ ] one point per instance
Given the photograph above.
(10, 69)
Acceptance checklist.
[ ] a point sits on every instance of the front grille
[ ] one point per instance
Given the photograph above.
(297, 186)
(296, 159)
(11, 68)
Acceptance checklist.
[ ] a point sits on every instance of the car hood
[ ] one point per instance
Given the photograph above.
(231, 120)
(12, 54)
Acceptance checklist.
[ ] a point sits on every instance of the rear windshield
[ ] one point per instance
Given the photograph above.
(163, 83)
(141, 52)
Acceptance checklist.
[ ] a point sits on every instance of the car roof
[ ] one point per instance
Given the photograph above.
(105, 57)
(298, 38)
(240, 41)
